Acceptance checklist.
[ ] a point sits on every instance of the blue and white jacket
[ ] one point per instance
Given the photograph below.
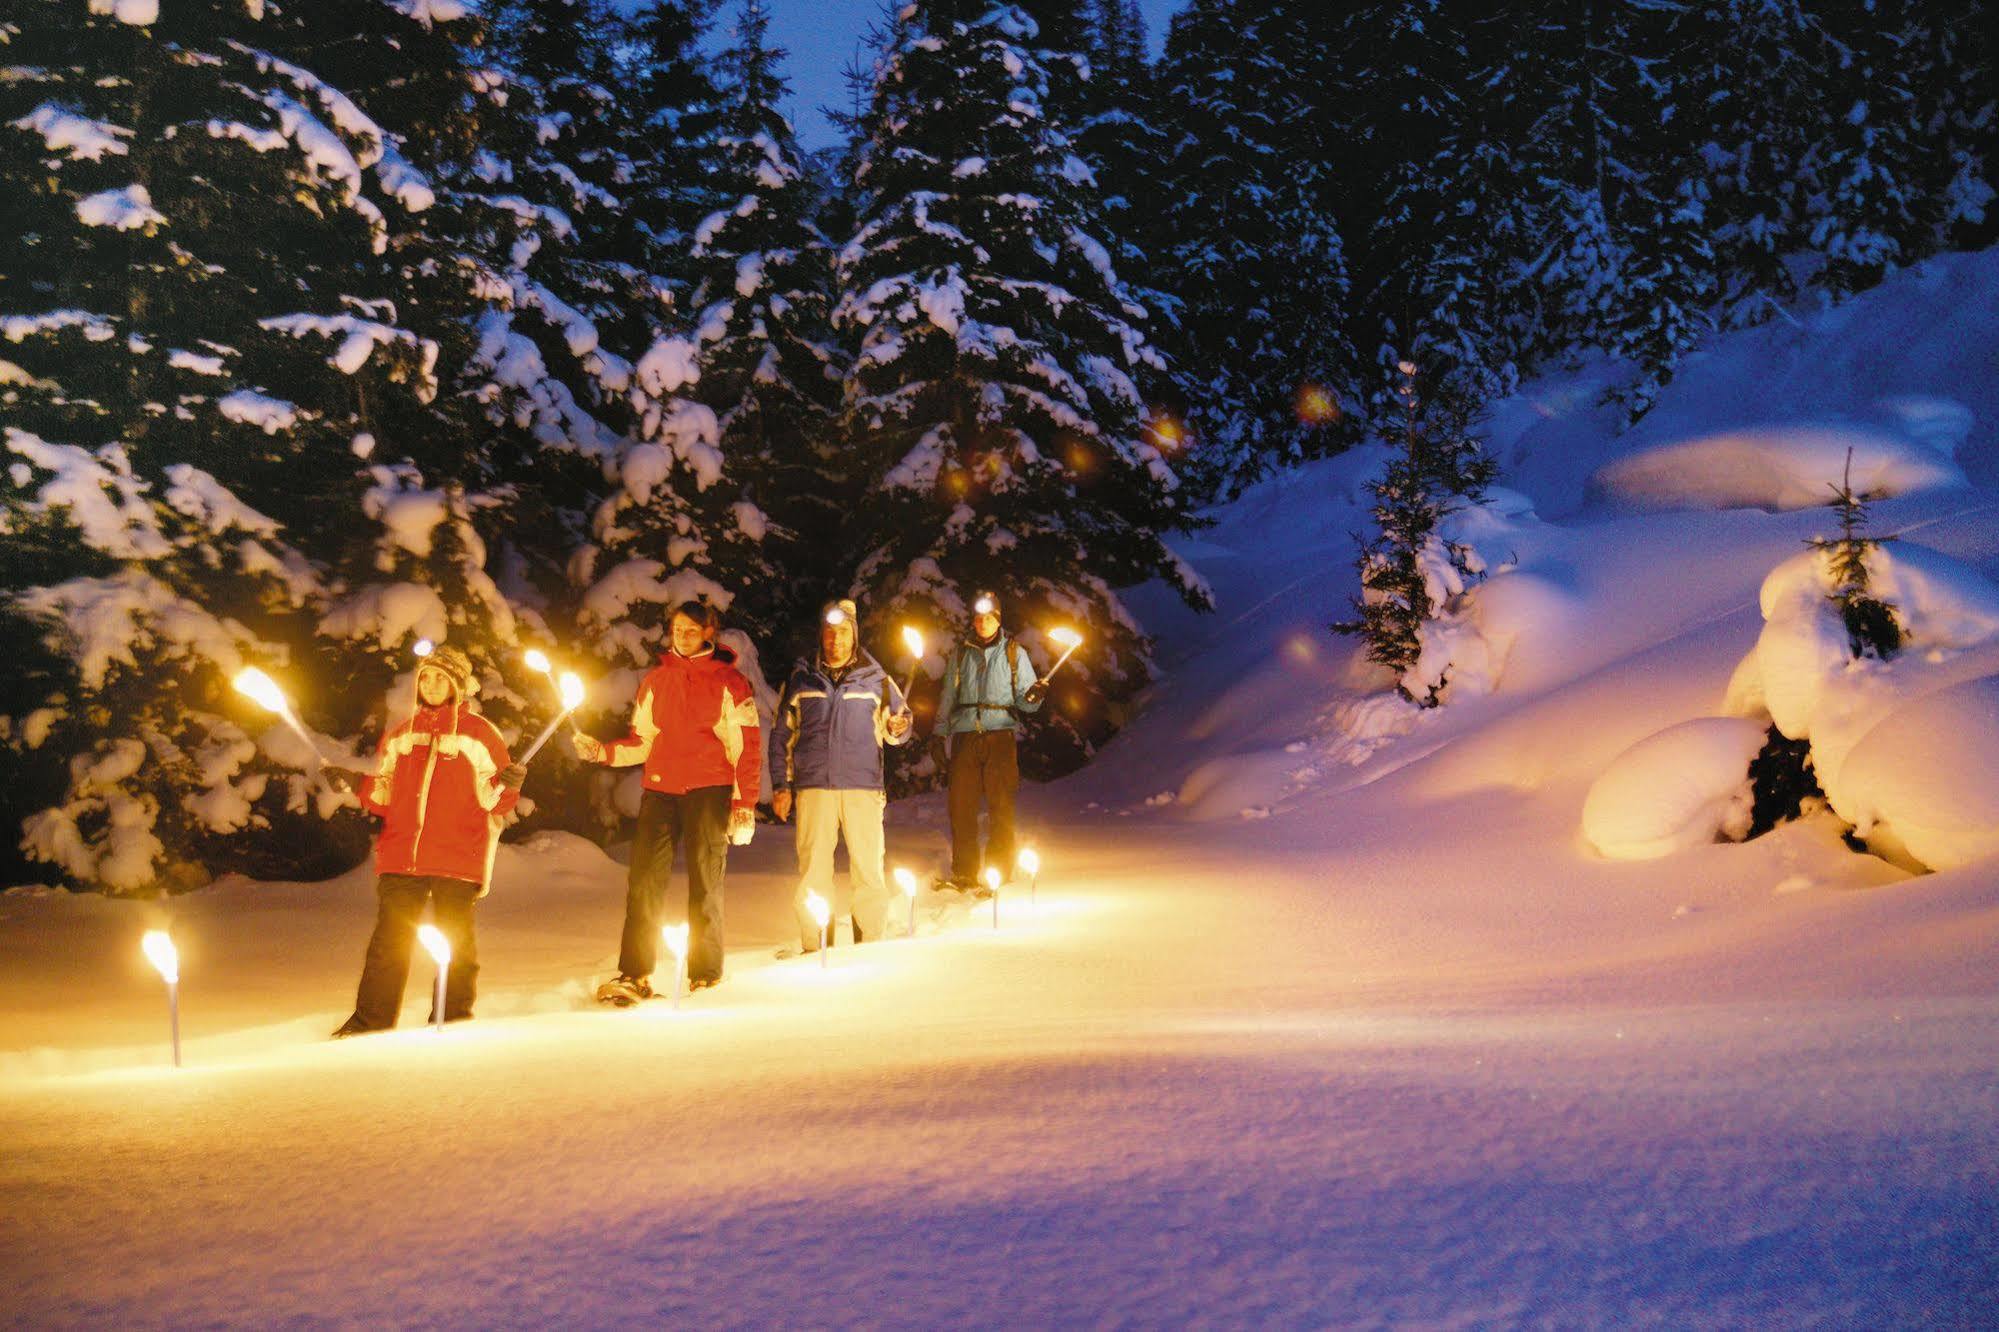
(830, 729)
(982, 692)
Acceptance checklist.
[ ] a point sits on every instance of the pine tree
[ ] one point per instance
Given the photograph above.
(1258, 265)
(769, 370)
(1871, 627)
(227, 357)
(991, 404)
(1408, 568)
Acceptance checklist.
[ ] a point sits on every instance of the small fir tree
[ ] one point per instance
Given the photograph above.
(1406, 567)
(1871, 627)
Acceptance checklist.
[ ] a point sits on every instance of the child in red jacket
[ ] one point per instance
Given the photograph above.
(695, 728)
(443, 786)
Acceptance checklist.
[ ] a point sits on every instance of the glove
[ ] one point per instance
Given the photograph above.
(780, 804)
(940, 753)
(588, 747)
(742, 826)
(1035, 693)
(898, 725)
(513, 775)
(344, 779)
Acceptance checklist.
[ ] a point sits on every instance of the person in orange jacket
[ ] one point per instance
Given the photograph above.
(695, 728)
(442, 786)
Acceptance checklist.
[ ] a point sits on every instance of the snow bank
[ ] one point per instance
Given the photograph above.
(1926, 777)
(1803, 677)
(1774, 467)
(1684, 786)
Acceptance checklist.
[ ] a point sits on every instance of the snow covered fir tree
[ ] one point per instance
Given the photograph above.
(991, 398)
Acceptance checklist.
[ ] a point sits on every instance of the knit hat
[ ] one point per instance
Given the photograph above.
(457, 668)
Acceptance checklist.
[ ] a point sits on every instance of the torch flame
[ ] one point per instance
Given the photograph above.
(571, 685)
(991, 877)
(912, 638)
(1030, 863)
(260, 689)
(434, 943)
(160, 951)
(1066, 636)
(816, 907)
(905, 881)
(424, 647)
(676, 939)
(537, 661)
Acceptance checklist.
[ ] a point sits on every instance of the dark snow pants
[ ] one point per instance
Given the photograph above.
(401, 899)
(698, 821)
(985, 767)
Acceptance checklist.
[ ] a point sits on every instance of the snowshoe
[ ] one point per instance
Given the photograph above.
(624, 991)
(353, 1026)
(703, 983)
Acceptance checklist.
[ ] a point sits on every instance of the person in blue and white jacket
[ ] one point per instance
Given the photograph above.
(989, 685)
(834, 716)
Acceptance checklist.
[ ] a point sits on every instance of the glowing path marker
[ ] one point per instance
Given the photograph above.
(912, 639)
(439, 948)
(822, 916)
(1030, 865)
(676, 943)
(571, 685)
(159, 949)
(907, 882)
(992, 878)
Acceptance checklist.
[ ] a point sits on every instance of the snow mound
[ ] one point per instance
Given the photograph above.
(1926, 777)
(1774, 467)
(1803, 677)
(1676, 789)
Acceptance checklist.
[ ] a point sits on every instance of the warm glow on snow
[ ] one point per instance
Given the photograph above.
(1316, 405)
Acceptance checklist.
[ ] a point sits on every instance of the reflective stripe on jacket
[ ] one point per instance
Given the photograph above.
(695, 724)
(981, 691)
(437, 789)
(829, 731)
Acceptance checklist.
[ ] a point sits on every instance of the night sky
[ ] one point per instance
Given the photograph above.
(822, 36)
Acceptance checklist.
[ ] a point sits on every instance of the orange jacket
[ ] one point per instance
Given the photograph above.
(437, 789)
(695, 724)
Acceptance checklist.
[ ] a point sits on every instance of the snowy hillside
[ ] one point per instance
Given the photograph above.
(1325, 1011)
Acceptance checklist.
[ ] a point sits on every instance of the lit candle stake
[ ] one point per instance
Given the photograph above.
(159, 949)
(439, 948)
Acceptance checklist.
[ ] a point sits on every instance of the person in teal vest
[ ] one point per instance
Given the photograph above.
(989, 686)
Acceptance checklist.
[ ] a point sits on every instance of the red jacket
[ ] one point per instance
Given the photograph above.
(437, 788)
(695, 724)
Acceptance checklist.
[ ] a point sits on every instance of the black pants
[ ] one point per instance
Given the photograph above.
(985, 766)
(699, 821)
(387, 969)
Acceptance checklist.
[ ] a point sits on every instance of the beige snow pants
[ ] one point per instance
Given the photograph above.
(823, 817)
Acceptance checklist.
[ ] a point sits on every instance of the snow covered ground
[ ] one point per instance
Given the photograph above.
(1326, 1012)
